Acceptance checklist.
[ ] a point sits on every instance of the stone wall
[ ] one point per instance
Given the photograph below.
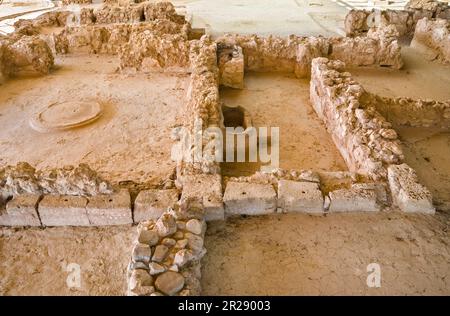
(132, 13)
(306, 191)
(294, 54)
(364, 138)
(67, 2)
(166, 256)
(403, 111)
(435, 35)
(114, 38)
(358, 22)
(24, 52)
(379, 47)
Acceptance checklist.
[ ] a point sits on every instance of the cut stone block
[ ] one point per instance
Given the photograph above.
(249, 198)
(21, 211)
(110, 209)
(150, 204)
(407, 193)
(209, 188)
(63, 210)
(353, 200)
(294, 196)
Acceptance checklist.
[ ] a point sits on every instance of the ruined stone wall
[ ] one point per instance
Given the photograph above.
(20, 52)
(358, 22)
(132, 13)
(294, 54)
(434, 34)
(403, 111)
(379, 47)
(47, 19)
(111, 39)
(147, 51)
(166, 255)
(364, 138)
(67, 2)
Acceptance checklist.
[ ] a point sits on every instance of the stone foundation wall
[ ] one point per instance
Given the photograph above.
(132, 13)
(409, 112)
(24, 52)
(166, 256)
(379, 47)
(115, 38)
(294, 54)
(434, 34)
(358, 22)
(364, 138)
(67, 2)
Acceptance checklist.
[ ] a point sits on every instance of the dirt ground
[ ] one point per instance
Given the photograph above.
(131, 141)
(296, 254)
(418, 79)
(291, 254)
(427, 151)
(37, 261)
(281, 100)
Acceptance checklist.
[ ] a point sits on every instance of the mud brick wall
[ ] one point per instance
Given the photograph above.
(434, 34)
(364, 138)
(416, 113)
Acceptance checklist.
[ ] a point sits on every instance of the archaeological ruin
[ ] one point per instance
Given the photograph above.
(164, 148)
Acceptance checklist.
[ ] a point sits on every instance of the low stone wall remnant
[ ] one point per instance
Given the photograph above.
(364, 138)
(434, 35)
(415, 113)
(166, 256)
(358, 22)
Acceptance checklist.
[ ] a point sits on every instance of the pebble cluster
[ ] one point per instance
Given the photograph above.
(166, 255)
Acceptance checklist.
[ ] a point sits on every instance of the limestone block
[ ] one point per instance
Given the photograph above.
(249, 198)
(294, 196)
(407, 193)
(209, 188)
(151, 204)
(63, 210)
(21, 211)
(353, 200)
(111, 209)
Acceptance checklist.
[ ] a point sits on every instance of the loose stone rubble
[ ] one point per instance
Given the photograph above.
(166, 256)
(434, 34)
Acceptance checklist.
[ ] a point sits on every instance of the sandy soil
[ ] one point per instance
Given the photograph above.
(281, 100)
(296, 254)
(34, 261)
(427, 151)
(269, 255)
(131, 141)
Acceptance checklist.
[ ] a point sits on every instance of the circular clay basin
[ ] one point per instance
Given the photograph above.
(65, 115)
